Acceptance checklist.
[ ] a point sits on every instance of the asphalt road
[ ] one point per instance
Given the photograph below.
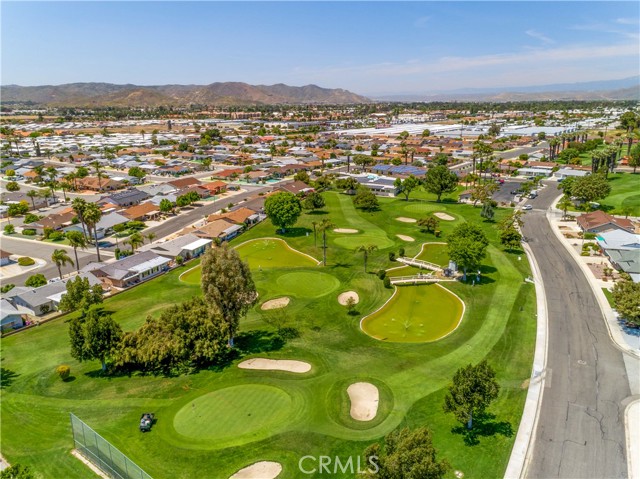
(580, 431)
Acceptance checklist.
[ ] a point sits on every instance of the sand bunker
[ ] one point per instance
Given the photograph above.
(404, 219)
(345, 230)
(344, 297)
(259, 470)
(288, 365)
(364, 399)
(405, 238)
(275, 303)
(444, 216)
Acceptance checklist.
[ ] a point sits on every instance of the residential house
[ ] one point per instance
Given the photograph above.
(94, 183)
(220, 229)
(18, 196)
(104, 226)
(187, 247)
(44, 299)
(199, 190)
(158, 189)
(55, 221)
(240, 216)
(132, 269)
(5, 257)
(11, 317)
(215, 187)
(465, 196)
(563, 173)
(378, 185)
(599, 221)
(623, 249)
(142, 212)
(182, 183)
(125, 198)
(296, 187)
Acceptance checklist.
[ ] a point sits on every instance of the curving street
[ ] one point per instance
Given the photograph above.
(580, 431)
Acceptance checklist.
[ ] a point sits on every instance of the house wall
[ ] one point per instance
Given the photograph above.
(11, 322)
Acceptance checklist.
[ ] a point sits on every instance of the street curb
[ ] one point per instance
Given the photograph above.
(606, 310)
(632, 436)
(523, 445)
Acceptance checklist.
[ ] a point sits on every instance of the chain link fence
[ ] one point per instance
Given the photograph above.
(102, 454)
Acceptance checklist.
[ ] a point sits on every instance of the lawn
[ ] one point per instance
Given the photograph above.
(625, 192)
(212, 423)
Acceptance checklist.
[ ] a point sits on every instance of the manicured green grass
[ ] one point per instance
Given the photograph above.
(307, 284)
(248, 410)
(415, 314)
(609, 295)
(435, 253)
(625, 192)
(499, 324)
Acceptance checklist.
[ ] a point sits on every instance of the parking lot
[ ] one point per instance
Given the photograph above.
(504, 193)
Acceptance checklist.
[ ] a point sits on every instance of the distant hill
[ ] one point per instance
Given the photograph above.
(224, 94)
(622, 89)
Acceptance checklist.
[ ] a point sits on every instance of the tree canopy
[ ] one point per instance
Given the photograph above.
(227, 284)
(80, 295)
(472, 390)
(405, 454)
(626, 295)
(283, 209)
(591, 188)
(313, 201)
(94, 336)
(467, 246)
(407, 185)
(439, 180)
(365, 200)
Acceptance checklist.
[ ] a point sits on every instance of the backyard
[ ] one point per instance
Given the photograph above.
(217, 421)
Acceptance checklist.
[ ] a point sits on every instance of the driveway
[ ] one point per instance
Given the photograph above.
(580, 431)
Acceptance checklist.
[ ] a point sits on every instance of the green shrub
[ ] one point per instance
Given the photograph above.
(7, 287)
(589, 236)
(392, 256)
(401, 252)
(9, 229)
(35, 280)
(29, 232)
(179, 259)
(30, 218)
(56, 236)
(387, 282)
(63, 371)
(437, 233)
(26, 261)
(382, 274)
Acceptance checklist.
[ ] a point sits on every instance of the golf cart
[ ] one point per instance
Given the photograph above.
(146, 421)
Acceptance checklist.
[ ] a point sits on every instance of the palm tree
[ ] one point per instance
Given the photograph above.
(33, 194)
(98, 167)
(324, 225)
(65, 186)
(77, 240)
(60, 258)
(366, 250)
(92, 215)
(315, 233)
(134, 241)
(151, 237)
(564, 204)
(79, 205)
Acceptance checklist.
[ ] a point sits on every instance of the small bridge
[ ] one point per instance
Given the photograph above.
(418, 263)
(416, 279)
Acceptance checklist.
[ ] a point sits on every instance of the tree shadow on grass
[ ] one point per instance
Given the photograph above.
(257, 341)
(317, 212)
(484, 425)
(295, 232)
(7, 377)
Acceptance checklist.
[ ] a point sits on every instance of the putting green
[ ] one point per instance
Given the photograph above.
(263, 253)
(307, 284)
(353, 241)
(415, 314)
(421, 208)
(252, 410)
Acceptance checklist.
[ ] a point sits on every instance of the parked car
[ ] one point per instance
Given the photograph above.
(527, 207)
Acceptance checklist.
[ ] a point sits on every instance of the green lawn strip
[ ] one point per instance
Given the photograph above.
(435, 253)
(609, 295)
(330, 339)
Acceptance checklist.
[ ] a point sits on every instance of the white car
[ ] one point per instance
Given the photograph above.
(527, 207)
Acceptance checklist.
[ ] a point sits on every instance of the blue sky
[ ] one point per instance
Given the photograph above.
(366, 47)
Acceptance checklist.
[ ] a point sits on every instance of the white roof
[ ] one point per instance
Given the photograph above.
(197, 244)
(152, 263)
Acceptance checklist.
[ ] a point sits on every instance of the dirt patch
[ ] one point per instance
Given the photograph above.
(404, 219)
(345, 230)
(264, 364)
(344, 297)
(275, 303)
(444, 216)
(405, 238)
(364, 399)
(259, 470)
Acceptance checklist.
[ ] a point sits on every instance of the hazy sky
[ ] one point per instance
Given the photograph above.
(365, 47)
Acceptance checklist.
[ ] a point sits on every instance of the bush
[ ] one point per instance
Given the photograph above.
(63, 371)
(401, 252)
(179, 260)
(26, 261)
(47, 232)
(589, 236)
(56, 236)
(30, 218)
(7, 287)
(382, 274)
(437, 233)
(35, 280)
(392, 256)
(29, 232)
(387, 282)
(9, 229)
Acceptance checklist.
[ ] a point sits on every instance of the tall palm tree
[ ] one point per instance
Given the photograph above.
(61, 258)
(79, 205)
(324, 225)
(32, 194)
(366, 250)
(134, 241)
(315, 233)
(77, 240)
(98, 167)
(151, 237)
(92, 215)
(564, 204)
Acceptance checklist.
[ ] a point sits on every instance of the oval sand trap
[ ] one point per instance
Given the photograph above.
(405, 238)
(404, 219)
(344, 297)
(275, 303)
(444, 216)
(264, 364)
(259, 470)
(345, 230)
(364, 399)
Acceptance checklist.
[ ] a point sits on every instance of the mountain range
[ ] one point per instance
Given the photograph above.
(220, 94)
